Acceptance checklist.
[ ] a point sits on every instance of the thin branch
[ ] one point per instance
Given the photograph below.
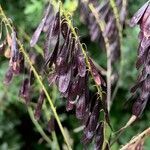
(38, 127)
(141, 136)
(102, 25)
(119, 26)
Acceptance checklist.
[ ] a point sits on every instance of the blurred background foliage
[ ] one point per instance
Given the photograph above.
(17, 130)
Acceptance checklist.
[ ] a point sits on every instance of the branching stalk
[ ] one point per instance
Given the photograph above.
(102, 25)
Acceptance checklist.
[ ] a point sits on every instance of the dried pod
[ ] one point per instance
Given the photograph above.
(51, 124)
(14, 48)
(25, 90)
(81, 65)
(90, 128)
(39, 29)
(138, 15)
(96, 75)
(31, 78)
(99, 137)
(142, 18)
(81, 107)
(64, 80)
(8, 76)
(39, 105)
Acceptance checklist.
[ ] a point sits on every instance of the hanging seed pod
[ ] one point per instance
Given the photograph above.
(51, 124)
(39, 29)
(142, 17)
(81, 65)
(96, 75)
(63, 81)
(14, 60)
(138, 15)
(8, 76)
(81, 107)
(39, 105)
(53, 30)
(14, 48)
(31, 78)
(25, 90)
(49, 19)
(99, 138)
(52, 56)
(90, 128)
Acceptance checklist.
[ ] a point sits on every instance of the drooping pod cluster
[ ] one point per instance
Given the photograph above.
(106, 14)
(65, 66)
(9, 48)
(142, 18)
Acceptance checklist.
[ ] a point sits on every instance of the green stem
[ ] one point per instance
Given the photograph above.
(38, 127)
(119, 26)
(102, 25)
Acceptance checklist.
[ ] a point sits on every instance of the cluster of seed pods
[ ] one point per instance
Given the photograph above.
(142, 18)
(106, 14)
(65, 66)
(11, 50)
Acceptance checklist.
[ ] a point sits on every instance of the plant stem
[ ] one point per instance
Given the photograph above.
(141, 136)
(102, 25)
(38, 127)
(119, 26)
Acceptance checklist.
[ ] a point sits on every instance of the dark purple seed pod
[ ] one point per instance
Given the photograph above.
(54, 30)
(39, 29)
(56, 26)
(138, 15)
(80, 61)
(14, 48)
(25, 90)
(39, 105)
(146, 85)
(64, 80)
(99, 136)
(81, 65)
(142, 18)
(51, 124)
(90, 129)
(96, 75)
(31, 77)
(51, 58)
(81, 107)
(139, 106)
(137, 86)
(8, 76)
(21, 62)
(49, 19)
(70, 104)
